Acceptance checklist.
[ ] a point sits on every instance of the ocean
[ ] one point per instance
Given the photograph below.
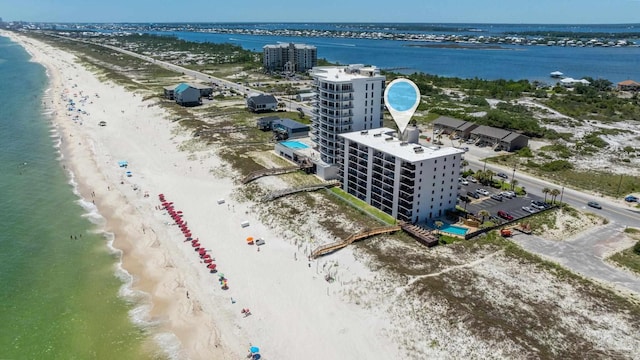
(62, 292)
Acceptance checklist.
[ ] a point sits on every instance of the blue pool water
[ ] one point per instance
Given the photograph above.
(456, 230)
(294, 144)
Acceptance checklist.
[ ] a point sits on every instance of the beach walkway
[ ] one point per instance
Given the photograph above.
(421, 234)
(331, 247)
(266, 172)
(280, 193)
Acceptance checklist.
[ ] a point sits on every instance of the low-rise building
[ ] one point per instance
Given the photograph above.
(262, 103)
(629, 85)
(503, 139)
(451, 126)
(205, 90)
(186, 95)
(408, 181)
(283, 128)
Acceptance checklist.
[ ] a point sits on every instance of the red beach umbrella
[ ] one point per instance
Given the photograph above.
(195, 245)
(206, 256)
(212, 266)
(207, 261)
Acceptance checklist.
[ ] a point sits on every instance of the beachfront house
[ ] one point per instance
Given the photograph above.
(282, 127)
(629, 85)
(187, 95)
(205, 90)
(406, 180)
(262, 103)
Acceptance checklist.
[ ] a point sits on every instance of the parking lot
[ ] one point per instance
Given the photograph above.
(511, 206)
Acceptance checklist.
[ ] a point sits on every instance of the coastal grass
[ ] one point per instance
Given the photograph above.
(563, 174)
(629, 258)
(363, 206)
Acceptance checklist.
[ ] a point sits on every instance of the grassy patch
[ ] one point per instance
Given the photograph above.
(628, 259)
(363, 206)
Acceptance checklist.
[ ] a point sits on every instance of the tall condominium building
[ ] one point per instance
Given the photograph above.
(408, 181)
(289, 57)
(348, 98)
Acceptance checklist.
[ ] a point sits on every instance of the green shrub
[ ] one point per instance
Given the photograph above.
(636, 248)
(556, 165)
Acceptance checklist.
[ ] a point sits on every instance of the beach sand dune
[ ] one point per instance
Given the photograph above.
(295, 313)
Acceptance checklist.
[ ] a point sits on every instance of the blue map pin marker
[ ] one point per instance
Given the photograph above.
(402, 98)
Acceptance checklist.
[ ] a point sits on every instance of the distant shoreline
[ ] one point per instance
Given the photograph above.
(459, 46)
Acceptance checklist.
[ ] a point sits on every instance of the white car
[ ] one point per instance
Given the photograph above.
(483, 192)
(473, 180)
(464, 182)
(528, 209)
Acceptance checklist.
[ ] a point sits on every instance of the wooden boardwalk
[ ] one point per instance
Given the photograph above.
(421, 234)
(265, 172)
(331, 247)
(280, 193)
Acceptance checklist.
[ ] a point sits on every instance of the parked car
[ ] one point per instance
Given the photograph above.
(464, 182)
(470, 141)
(496, 197)
(464, 198)
(540, 205)
(528, 209)
(483, 192)
(594, 204)
(505, 215)
(472, 179)
(503, 175)
(631, 198)
(507, 194)
(473, 195)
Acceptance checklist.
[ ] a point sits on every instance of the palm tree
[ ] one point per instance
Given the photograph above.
(514, 182)
(545, 191)
(438, 225)
(484, 214)
(464, 164)
(554, 194)
(489, 176)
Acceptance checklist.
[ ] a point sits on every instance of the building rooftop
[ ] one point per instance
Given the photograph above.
(263, 99)
(490, 132)
(286, 45)
(345, 73)
(291, 124)
(449, 122)
(385, 140)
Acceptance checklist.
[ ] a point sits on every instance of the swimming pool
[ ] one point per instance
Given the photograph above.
(294, 144)
(456, 230)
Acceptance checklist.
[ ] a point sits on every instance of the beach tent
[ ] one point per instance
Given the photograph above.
(254, 349)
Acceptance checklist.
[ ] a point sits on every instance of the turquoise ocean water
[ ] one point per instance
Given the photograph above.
(61, 293)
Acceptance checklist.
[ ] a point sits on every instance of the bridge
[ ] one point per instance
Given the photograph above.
(335, 246)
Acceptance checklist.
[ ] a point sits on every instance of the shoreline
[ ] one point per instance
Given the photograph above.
(188, 314)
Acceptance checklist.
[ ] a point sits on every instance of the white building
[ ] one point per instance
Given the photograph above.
(406, 180)
(348, 98)
(289, 57)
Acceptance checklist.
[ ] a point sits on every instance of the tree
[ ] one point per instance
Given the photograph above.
(438, 225)
(484, 214)
(488, 176)
(545, 191)
(464, 164)
(554, 194)
(514, 182)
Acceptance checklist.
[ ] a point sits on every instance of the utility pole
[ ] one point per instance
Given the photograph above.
(619, 184)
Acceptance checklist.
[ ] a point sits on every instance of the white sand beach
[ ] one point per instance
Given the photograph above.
(295, 313)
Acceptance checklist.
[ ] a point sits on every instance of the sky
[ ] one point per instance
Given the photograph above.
(421, 11)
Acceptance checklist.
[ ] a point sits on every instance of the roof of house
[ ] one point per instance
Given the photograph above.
(490, 132)
(182, 87)
(512, 136)
(170, 87)
(263, 99)
(449, 122)
(291, 124)
(629, 83)
(466, 126)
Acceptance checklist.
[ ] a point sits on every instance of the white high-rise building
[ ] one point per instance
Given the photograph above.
(406, 180)
(289, 57)
(348, 98)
